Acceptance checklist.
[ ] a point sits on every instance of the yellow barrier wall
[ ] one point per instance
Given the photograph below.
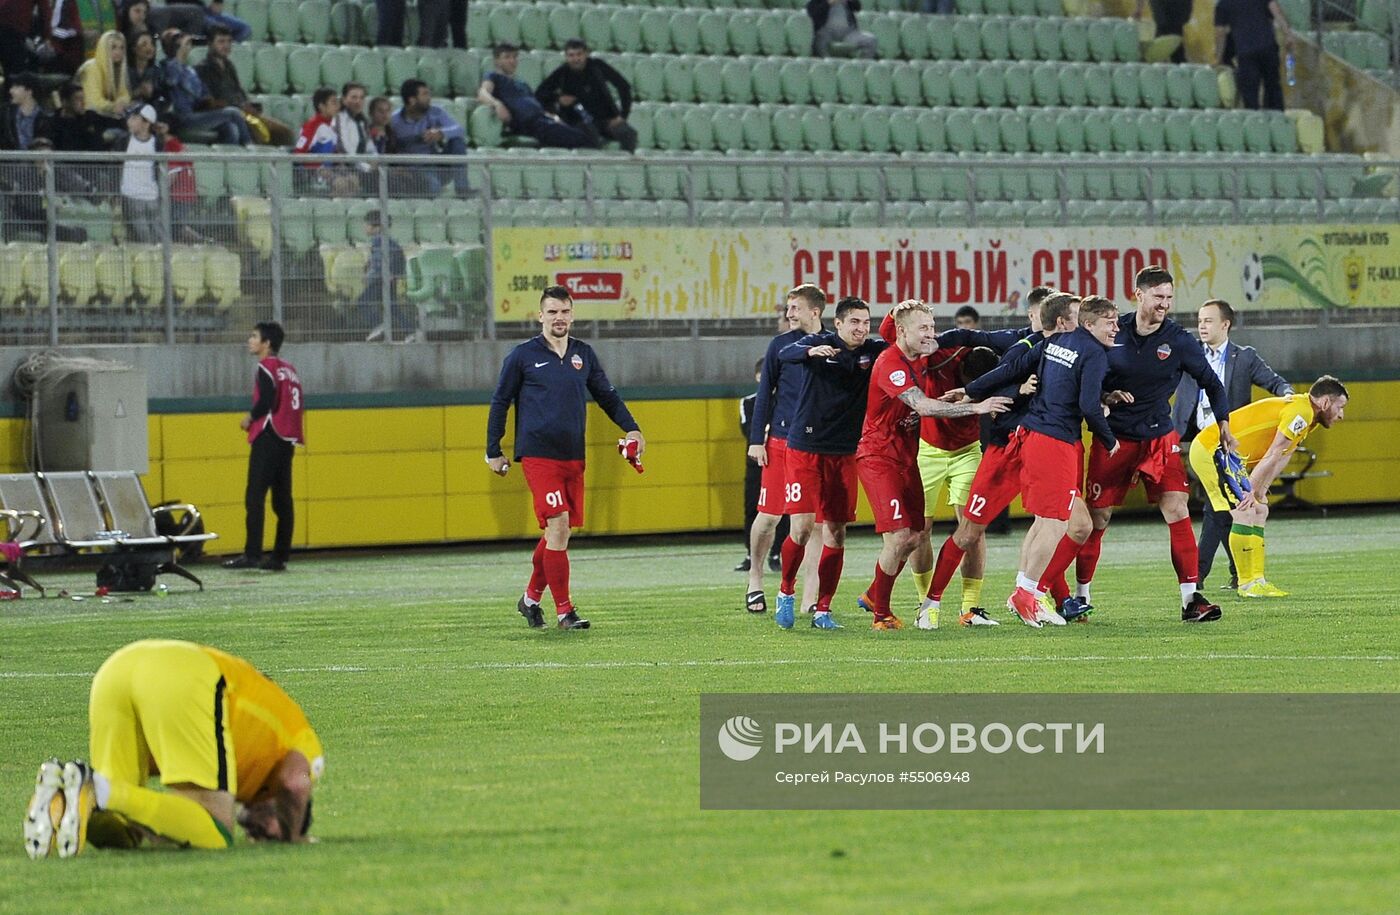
(416, 474)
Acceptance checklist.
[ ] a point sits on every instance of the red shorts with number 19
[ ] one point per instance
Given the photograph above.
(772, 490)
(821, 484)
(896, 494)
(1156, 462)
(997, 483)
(557, 487)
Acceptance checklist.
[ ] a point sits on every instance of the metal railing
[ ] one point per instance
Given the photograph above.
(235, 237)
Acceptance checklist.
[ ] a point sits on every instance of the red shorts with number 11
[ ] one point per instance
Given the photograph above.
(557, 487)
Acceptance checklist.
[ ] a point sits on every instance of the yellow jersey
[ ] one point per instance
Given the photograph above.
(1255, 425)
(264, 723)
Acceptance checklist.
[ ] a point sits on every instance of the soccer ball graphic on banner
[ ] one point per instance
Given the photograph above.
(1252, 278)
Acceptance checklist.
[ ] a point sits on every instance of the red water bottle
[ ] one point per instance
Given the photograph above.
(631, 451)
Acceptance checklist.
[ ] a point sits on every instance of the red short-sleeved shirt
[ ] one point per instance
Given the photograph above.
(891, 429)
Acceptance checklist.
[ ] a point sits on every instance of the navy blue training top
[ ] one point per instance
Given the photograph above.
(549, 395)
(999, 426)
(831, 402)
(778, 385)
(1071, 368)
(1150, 368)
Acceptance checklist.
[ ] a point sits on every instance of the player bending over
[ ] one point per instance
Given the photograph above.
(1269, 431)
(228, 744)
(887, 458)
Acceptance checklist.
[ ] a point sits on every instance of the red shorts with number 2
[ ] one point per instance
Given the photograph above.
(896, 494)
(821, 484)
(557, 487)
(772, 498)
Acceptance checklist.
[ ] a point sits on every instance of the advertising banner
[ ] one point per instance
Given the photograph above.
(708, 273)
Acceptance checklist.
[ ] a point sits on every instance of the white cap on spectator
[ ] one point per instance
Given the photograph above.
(147, 112)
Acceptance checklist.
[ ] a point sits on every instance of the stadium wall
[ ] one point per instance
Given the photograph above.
(376, 475)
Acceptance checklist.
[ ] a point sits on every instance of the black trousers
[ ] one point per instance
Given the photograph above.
(1171, 17)
(753, 482)
(1259, 69)
(1215, 532)
(389, 24)
(269, 468)
(457, 22)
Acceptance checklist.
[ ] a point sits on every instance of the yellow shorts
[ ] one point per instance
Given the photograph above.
(954, 468)
(1202, 460)
(160, 707)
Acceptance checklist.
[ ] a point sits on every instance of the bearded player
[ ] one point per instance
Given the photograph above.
(887, 458)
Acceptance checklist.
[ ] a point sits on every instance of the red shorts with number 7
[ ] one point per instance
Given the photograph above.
(557, 487)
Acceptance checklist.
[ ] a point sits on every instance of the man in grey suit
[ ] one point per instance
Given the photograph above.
(1239, 369)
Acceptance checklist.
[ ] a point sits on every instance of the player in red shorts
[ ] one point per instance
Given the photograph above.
(1070, 368)
(998, 479)
(549, 379)
(887, 457)
(1144, 369)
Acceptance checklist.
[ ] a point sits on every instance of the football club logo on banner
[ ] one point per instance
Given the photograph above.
(1164, 351)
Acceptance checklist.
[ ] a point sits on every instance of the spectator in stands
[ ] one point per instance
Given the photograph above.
(421, 128)
(381, 111)
(191, 107)
(318, 137)
(1250, 25)
(389, 15)
(134, 17)
(352, 130)
(438, 18)
(61, 50)
(386, 264)
(215, 17)
(578, 91)
(16, 25)
(967, 318)
(23, 119)
(77, 129)
(1170, 17)
(142, 74)
(516, 106)
(27, 215)
(103, 77)
(835, 21)
(140, 192)
(220, 78)
(138, 16)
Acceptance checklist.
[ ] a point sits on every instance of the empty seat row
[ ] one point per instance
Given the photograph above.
(1363, 50)
(308, 222)
(100, 274)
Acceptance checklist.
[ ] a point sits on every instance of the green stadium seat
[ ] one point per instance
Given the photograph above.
(1015, 184)
(1045, 84)
(847, 131)
(1042, 184)
(787, 128)
(504, 20)
(1069, 131)
(1042, 127)
(655, 26)
(270, 69)
(941, 43)
(685, 31)
(679, 78)
(1152, 83)
(478, 28)
(798, 31)
(905, 84)
(1019, 84)
(936, 83)
(668, 128)
(1127, 183)
(400, 64)
(962, 84)
(534, 26)
(1126, 45)
(649, 79)
(742, 28)
(850, 82)
(843, 183)
(1180, 87)
(664, 180)
(433, 70)
(793, 83)
(809, 178)
(1257, 135)
(1125, 83)
(876, 128)
(329, 221)
(367, 67)
(1208, 182)
(1100, 35)
(967, 36)
(1098, 85)
(596, 26)
(1074, 39)
(986, 184)
(1072, 85)
(719, 181)
(1375, 15)
(914, 41)
(772, 33)
(345, 23)
(1015, 132)
(969, 7)
(1205, 86)
(886, 28)
(243, 54)
(996, 40)
(563, 19)
(816, 130)
(1230, 131)
(991, 84)
(757, 124)
(1177, 126)
(1098, 135)
(484, 128)
(737, 77)
(713, 32)
(709, 80)
(1205, 131)
(986, 131)
(865, 216)
(626, 28)
(282, 20)
(1283, 133)
(1152, 131)
(931, 126)
(1047, 40)
(336, 68)
(879, 83)
(1021, 39)
(1258, 183)
(903, 132)
(959, 129)
(255, 14)
(314, 21)
(699, 128)
(824, 85)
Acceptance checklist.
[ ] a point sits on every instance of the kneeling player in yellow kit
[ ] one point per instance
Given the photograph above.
(1269, 431)
(228, 744)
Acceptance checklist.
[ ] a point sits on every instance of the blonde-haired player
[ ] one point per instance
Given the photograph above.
(1268, 431)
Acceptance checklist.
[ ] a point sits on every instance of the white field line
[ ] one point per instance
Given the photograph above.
(760, 662)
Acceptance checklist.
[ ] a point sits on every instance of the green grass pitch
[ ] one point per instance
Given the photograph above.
(475, 765)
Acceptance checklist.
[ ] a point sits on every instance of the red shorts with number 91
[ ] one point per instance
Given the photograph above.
(896, 494)
(821, 484)
(557, 487)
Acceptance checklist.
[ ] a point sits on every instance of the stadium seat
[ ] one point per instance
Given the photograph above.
(932, 126)
(679, 79)
(345, 24)
(914, 41)
(1074, 40)
(430, 220)
(1098, 134)
(905, 85)
(1045, 84)
(991, 85)
(668, 130)
(1019, 85)
(768, 79)
(937, 85)
(986, 132)
(1072, 88)
(270, 68)
(433, 70)
(995, 39)
(737, 78)
(1047, 39)
(1021, 39)
(1100, 35)
(698, 127)
(255, 14)
(1283, 133)
(1069, 131)
(367, 67)
(797, 28)
(941, 43)
(685, 31)
(1152, 131)
(712, 30)
(304, 69)
(1177, 127)
(816, 130)
(283, 23)
(1205, 87)
(1230, 132)
(1152, 83)
(967, 37)
(314, 21)
(962, 84)
(1098, 85)
(1015, 132)
(850, 82)
(186, 274)
(1124, 80)
(655, 28)
(1257, 135)
(879, 83)
(400, 64)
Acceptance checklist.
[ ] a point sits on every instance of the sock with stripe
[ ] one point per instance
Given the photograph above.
(1247, 546)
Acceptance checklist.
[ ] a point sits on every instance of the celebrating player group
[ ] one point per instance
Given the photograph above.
(893, 411)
